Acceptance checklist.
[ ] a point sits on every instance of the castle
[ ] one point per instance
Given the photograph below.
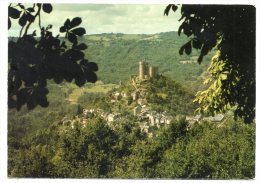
(146, 70)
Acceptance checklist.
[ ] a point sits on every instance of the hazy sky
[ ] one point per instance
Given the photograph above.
(107, 18)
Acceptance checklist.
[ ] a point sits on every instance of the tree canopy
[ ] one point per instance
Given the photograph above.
(230, 31)
(37, 56)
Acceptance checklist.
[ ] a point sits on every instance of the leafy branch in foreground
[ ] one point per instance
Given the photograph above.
(230, 30)
(32, 59)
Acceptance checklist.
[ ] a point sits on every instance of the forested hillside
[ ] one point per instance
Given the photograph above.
(41, 143)
(118, 55)
(60, 142)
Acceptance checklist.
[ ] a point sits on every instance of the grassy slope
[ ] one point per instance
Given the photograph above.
(76, 91)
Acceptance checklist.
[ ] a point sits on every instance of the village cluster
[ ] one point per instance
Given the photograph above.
(142, 113)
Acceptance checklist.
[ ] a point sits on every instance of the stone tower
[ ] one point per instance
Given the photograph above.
(152, 71)
(143, 70)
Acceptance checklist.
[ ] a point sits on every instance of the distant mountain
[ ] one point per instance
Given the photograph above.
(118, 56)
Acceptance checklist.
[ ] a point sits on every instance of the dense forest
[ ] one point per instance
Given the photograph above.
(41, 145)
(98, 151)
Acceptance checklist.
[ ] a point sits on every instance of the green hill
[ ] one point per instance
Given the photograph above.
(42, 144)
(118, 55)
(160, 94)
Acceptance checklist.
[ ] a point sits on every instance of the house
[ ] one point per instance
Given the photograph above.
(84, 123)
(158, 125)
(104, 115)
(117, 96)
(142, 101)
(162, 120)
(150, 135)
(209, 118)
(144, 113)
(143, 94)
(65, 120)
(166, 119)
(88, 112)
(143, 117)
(124, 95)
(137, 110)
(73, 124)
(112, 117)
(134, 95)
(188, 61)
(151, 119)
(196, 118)
(144, 128)
(216, 118)
(145, 109)
(157, 120)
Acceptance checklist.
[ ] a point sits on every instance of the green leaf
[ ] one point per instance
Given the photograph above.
(180, 29)
(174, 7)
(207, 81)
(80, 81)
(223, 76)
(167, 9)
(9, 23)
(79, 31)
(21, 6)
(214, 86)
(62, 29)
(72, 37)
(22, 21)
(67, 23)
(47, 8)
(181, 50)
(82, 46)
(196, 44)
(200, 58)
(13, 13)
(92, 66)
(30, 10)
(30, 17)
(75, 22)
(219, 83)
(188, 48)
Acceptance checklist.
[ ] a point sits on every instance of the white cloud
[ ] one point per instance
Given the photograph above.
(106, 18)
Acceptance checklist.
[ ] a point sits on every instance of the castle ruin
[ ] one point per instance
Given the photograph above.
(146, 71)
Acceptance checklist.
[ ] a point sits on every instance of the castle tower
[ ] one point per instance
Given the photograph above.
(152, 71)
(143, 70)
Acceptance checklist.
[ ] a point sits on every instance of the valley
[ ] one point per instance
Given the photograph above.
(136, 121)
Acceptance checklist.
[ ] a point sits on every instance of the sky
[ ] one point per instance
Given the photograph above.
(110, 18)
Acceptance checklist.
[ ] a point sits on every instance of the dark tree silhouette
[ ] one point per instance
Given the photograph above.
(230, 31)
(33, 59)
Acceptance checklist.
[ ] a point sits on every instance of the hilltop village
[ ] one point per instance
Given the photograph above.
(135, 100)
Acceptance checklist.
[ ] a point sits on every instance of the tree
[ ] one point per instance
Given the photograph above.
(32, 59)
(230, 31)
